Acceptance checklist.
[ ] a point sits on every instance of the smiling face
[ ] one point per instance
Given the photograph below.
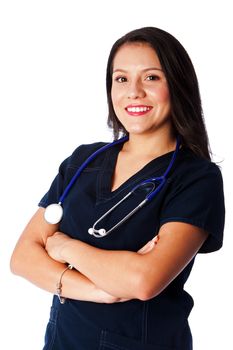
(140, 94)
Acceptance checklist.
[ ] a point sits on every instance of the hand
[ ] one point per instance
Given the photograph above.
(54, 245)
(149, 245)
(106, 298)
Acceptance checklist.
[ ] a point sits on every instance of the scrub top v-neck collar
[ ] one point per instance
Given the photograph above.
(104, 192)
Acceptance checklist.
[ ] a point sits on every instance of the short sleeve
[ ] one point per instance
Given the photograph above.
(66, 171)
(56, 188)
(197, 198)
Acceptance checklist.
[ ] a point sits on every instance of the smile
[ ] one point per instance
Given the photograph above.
(138, 110)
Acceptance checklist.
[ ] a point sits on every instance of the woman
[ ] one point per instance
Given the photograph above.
(119, 295)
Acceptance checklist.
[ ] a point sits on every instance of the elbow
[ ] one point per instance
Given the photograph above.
(146, 294)
(19, 261)
(22, 257)
(147, 290)
(15, 264)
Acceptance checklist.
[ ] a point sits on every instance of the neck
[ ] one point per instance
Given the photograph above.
(150, 145)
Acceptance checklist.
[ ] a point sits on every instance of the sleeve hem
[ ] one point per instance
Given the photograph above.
(42, 204)
(210, 245)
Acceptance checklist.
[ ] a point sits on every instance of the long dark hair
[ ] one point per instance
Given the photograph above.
(186, 108)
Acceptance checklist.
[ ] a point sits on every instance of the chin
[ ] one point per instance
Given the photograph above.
(138, 133)
(137, 129)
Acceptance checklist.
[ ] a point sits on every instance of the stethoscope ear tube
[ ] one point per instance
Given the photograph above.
(151, 195)
(99, 233)
(54, 212)
(84, 165)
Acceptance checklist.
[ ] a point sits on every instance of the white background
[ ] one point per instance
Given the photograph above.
(52, 98)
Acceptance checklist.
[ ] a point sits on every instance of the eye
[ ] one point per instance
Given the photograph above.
(120, 79)
(152, 77)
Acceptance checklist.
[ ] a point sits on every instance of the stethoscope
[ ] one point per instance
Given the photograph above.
(54, 212)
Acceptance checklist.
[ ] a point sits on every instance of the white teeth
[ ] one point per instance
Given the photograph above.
(138, 109)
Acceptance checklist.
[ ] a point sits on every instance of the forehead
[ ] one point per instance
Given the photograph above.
(135, 55)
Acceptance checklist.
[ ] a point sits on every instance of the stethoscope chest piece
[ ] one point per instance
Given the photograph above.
(53, 213)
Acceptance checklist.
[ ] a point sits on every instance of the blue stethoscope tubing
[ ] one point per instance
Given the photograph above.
(54, 212)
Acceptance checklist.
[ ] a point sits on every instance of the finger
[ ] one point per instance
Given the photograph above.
(155, 239)
(144, 248)
(58, 234)
(123, 300)
(147, 248)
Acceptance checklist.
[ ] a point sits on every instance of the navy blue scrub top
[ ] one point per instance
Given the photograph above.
(193, 194)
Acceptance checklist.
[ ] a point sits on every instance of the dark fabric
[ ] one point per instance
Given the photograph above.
(193, 194)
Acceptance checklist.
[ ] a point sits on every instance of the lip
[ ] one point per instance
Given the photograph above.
(138, 110)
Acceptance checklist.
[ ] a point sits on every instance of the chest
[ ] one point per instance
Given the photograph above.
(126, 167)
(90, 198)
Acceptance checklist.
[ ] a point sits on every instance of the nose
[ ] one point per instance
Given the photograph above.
(135, 90)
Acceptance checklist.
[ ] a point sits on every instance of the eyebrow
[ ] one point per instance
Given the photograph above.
(144, 70)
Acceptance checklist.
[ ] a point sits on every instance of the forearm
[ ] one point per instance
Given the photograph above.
(32, 262)
(129, 274)
(117, 272)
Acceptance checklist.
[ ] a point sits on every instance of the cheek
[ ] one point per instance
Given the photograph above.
(115, 102)
(116, 96)
(165, 96)
(161, 94)
(113, 95)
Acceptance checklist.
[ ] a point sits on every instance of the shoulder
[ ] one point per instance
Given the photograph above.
(81, 153)
(85, 150)
(196, 184)
(196, 197)
(191, 168)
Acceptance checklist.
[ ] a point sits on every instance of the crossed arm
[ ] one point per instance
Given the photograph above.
(103, 275)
